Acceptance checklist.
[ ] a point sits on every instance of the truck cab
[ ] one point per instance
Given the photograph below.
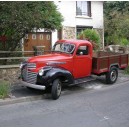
(80, 53)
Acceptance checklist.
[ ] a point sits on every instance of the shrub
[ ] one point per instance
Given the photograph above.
(124, 42)
(92, 36)
(4, 89)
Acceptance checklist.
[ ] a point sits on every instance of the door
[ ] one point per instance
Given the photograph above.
(82, 62)
(39, 40)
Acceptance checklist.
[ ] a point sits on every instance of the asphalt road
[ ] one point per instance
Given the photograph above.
(107, 106)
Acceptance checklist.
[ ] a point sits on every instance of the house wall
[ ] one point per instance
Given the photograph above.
(68, 10)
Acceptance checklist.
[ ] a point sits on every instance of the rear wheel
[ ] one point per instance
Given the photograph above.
(56, 89)
(112, 75)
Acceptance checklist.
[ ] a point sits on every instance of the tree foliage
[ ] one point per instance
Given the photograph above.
(17, 18)
(92, 36)
(116, 21)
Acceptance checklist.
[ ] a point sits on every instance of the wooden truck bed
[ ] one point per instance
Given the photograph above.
(102, 61)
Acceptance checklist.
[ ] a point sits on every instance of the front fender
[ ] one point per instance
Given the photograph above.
(63, 74)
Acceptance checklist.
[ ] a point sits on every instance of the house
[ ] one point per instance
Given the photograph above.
(78, 15)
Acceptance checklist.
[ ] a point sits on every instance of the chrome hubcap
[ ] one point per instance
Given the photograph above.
(113, 75)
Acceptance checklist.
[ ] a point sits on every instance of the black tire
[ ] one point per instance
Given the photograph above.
(112, 75)
(56, 89)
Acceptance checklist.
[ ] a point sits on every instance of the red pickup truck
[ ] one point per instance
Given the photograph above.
(70, 62)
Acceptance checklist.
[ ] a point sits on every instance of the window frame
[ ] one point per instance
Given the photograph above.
(41, 36)
(87, 50)
(34, 36)
(48, 37)
(65, 43)
(88, 12)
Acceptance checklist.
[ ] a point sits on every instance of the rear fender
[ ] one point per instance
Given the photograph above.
(114, 65)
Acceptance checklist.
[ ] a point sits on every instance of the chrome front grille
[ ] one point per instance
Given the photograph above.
(28, 76)
(31, 77)
(24, 73)
(31, 65)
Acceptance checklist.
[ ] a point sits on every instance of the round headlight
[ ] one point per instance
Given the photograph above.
(41, 72)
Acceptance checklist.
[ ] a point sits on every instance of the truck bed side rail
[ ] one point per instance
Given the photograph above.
(103, 64)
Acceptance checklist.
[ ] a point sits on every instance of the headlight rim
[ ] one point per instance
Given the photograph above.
(41, 72)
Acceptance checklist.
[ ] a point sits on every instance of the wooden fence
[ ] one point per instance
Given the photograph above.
(14, 61)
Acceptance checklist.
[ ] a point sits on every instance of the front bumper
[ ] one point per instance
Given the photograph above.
(39, 87)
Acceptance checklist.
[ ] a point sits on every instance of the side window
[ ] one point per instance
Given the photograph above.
(82, 50)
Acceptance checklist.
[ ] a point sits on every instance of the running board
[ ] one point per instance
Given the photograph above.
(83, 80)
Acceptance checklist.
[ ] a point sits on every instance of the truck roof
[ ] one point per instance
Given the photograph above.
(74, 41)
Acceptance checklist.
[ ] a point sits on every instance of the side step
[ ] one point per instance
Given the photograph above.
(83, 80)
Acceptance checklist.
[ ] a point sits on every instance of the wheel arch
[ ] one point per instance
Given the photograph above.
(63, 74)
(116, 65)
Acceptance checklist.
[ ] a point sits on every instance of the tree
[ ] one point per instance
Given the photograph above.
(17, 18)
(116, 15)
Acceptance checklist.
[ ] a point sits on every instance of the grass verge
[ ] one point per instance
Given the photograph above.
(4, 89)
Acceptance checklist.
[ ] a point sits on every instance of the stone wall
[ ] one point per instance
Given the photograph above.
(69, 32)
(10, 74)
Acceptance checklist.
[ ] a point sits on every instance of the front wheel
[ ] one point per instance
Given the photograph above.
(56, 89)
(112, 75)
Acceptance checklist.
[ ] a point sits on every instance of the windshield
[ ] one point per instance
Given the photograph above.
(64, 47)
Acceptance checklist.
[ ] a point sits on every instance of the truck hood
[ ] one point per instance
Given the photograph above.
(50, 58)
(55, 59)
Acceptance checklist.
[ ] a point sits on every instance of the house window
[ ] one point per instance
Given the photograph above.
(79, 29)
(41, 36)
(34, 36)
(48, 37)
(83, 8)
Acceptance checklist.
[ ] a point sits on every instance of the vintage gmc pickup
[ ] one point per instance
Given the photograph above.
(70, 62)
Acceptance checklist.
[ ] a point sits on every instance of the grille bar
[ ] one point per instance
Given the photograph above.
(31, 65)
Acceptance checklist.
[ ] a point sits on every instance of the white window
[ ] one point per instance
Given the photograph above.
(83, 8)
(34, 36)
(48, 37)
(41, 36)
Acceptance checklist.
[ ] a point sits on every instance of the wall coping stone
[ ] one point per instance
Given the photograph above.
(8, 66)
